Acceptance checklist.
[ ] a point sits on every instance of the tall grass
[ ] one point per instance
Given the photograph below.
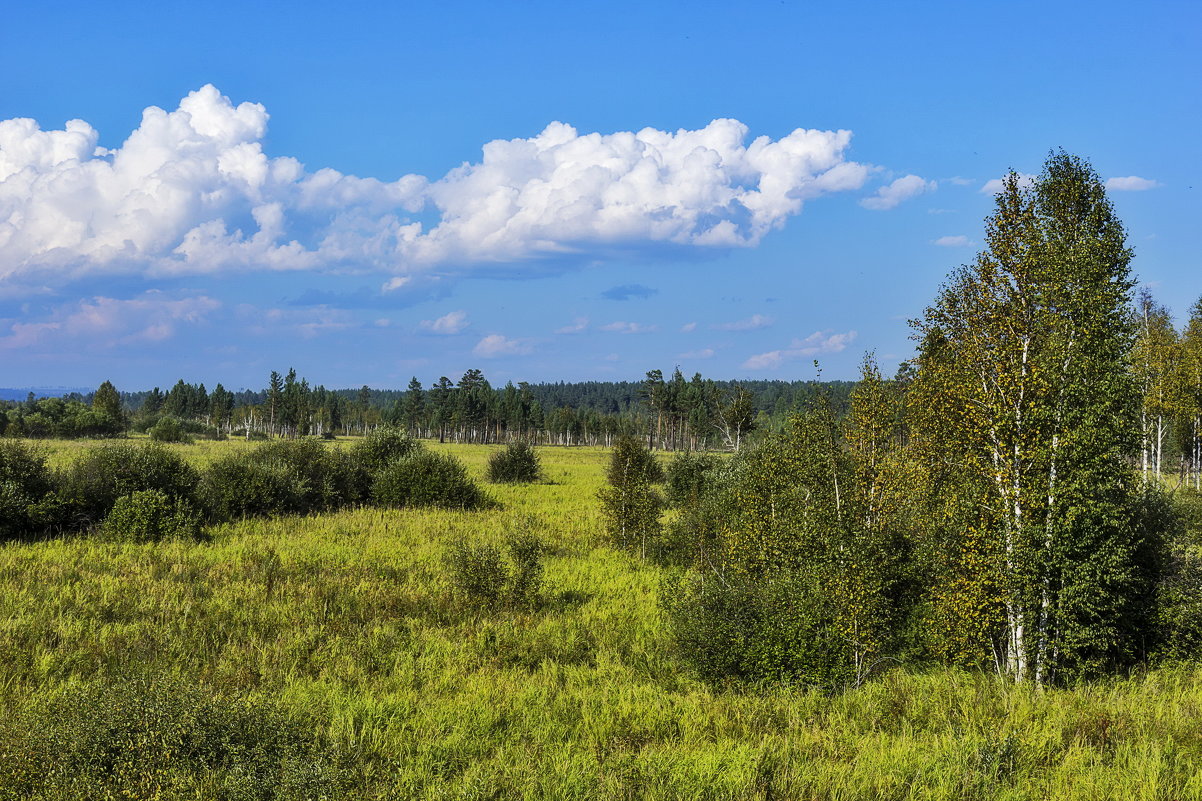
(349, 625)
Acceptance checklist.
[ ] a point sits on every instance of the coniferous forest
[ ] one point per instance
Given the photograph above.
(980, 577)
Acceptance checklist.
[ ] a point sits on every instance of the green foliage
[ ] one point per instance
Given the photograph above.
(481, 576)
(687, 476)
(478, 572)
(24, 480)
(1025, 408)
(802, 576)
(526, 552)
(240, 485)
(382, 447)
(300, 476)
(168, 429)
(629, 503)
(104, 473)
(516, 463)
(150, 516)
(166, 738)
(427, 479)
(778, 627)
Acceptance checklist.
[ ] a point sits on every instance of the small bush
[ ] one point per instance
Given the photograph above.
(517, 463)
(278, 478)
(483, 578)
(478, 572)
(427, 479)
(324, 478)
(629, 504)
(779, 627)
(91, 485)
(168, 429)
(24, 480)
(150, 516)
(526, 554)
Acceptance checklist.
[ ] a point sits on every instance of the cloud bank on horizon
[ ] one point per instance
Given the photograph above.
(191, 192)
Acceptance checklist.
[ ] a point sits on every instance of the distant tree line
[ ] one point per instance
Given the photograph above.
(672, 413)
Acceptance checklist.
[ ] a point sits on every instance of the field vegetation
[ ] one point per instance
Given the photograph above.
(338, 655)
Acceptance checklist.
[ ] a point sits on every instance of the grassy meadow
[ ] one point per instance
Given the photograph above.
(328, 656)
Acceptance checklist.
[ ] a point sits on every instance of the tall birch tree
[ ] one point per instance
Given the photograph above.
(1033, 343)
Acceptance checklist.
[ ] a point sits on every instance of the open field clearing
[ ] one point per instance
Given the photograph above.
(331, 655)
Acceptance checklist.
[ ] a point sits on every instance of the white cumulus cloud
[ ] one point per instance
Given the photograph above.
(1131, 183)
(816, 343)
(892, 195)
(449, 323)
(192, 191)
(495, 345)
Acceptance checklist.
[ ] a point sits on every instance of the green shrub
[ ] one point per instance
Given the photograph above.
(24, 480)
(777, 627)
(150, 516)
(516, 463)
(168, 738)
(427, 479)
(526, 555)
(629, 504)
(168, 429)
(478, 572)
(382, 447)
(271, 480)
(687, 477)
(480, 575)
(94, 482)
(324, 478)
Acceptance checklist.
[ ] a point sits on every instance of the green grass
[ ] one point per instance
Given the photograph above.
(348, 624)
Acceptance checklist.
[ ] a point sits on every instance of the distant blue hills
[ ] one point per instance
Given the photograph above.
(21, 393)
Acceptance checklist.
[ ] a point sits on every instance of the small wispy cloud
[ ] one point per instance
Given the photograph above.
(495, 345)
(892, 195)
(622, 327)
(958, 241)
(688, 328)
(628, 291)
(816, 343)
(449, 323)
(1131, 183)
(994, 186)
(704, 353)
(752, 323)
(579, 325)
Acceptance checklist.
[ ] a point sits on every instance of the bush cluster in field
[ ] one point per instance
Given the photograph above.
(159, 737)
(146, 492)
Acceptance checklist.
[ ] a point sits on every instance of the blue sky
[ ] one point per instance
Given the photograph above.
(735, 189)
